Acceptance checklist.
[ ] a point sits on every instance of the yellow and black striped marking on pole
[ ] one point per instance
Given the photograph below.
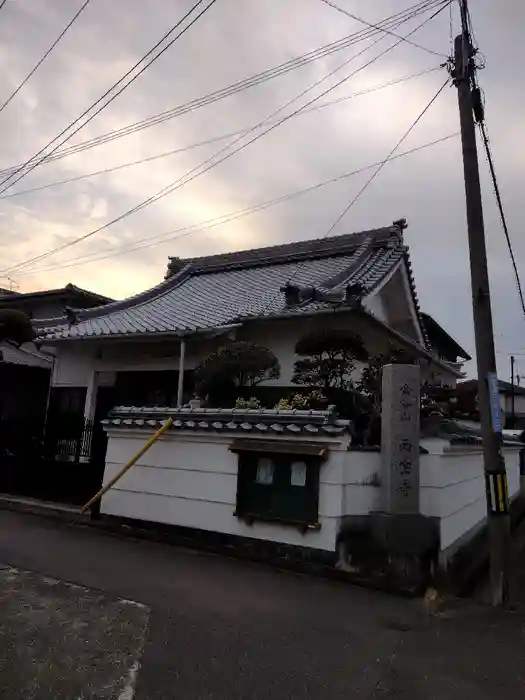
(497, 493)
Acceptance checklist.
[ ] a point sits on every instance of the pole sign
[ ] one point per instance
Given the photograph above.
(495, 408)
(497, 492)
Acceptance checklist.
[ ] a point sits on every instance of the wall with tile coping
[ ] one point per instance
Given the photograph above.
(189, 479)
(452, 484)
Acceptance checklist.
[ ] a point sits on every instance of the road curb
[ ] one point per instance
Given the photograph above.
(31, 506)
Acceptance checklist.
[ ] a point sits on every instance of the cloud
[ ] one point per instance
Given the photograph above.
(232, 41)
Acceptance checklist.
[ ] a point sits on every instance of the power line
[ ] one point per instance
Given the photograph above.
(182, 181)
(230, 90)
(34, 161)
(214, 139)
(386, 31)
(2, 3)
(39, 63)
(503, 217)
(479, 113)
(367, 184)
(185, 231)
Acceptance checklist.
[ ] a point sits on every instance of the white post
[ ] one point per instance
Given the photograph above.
(180, 385)
(91, 396)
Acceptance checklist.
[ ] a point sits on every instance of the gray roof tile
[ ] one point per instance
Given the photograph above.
(217, 290)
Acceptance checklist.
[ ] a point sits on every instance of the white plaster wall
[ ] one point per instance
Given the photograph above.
(73, 366)
(190, 480)
(360, 496)
(377, 306)
(281, 337)
(452, 488)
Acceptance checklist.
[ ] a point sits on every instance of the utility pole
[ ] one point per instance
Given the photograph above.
(495, 473)
(512, 393)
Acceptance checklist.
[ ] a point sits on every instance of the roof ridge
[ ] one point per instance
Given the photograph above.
(297, 250)
(192, 267)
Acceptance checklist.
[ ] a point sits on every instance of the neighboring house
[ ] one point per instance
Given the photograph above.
(442, 344)
(51, 303)
(512, 402)
(25, 372)
(141, 351)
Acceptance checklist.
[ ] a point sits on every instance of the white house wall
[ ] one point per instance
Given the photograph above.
(376, 305)
(73, 365)
(191, 481)
(75, 361)
(282, 336)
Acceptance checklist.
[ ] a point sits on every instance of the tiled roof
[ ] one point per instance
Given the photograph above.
(267, 421)
(217, 290)
(70, 290)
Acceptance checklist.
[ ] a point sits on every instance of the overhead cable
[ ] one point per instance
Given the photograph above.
(191, 175)
(36, 160)
(360, 192)
(235, 88)
(386, 31)
(50, 49)
(185, 231)
(213, 139)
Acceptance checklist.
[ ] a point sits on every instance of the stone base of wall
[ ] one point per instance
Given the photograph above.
(398, 552)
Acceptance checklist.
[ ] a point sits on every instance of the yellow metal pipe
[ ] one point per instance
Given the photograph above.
(127, 466)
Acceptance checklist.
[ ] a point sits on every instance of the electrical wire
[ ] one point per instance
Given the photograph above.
(365, 187)
(214, 139)
(50, 49)
(490, 160)
(222, 93)
(182, 181)
(386, 31)
(33, 162)
(2, 3)
(497, 192)
(185, 231)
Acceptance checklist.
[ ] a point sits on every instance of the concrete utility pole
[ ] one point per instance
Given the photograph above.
(495, 474)
(512, 393)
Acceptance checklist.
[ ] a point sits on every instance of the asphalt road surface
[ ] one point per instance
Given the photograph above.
(220, 629)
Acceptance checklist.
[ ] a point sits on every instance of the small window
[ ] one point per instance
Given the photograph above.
(265, 469)
(298, 474)
(278, 486)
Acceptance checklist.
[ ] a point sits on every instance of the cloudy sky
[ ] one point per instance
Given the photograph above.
(234, 40)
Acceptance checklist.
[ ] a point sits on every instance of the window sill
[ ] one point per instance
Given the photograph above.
(302, 526)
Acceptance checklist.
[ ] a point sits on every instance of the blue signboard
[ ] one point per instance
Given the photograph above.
(495, 408)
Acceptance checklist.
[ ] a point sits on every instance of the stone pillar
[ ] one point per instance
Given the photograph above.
(400, 439)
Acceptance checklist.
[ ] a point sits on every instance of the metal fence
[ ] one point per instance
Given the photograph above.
(54, 462)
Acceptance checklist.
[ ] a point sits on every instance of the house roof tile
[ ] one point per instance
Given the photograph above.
(218, 290)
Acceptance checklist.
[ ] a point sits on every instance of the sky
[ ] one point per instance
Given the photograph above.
(236, 39)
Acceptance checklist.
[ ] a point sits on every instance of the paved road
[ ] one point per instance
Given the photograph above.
(225, 630)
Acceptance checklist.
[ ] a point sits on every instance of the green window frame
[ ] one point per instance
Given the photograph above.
(292, 494)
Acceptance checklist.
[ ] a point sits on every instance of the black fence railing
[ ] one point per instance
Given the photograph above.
(69, 441)
(55, 462)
